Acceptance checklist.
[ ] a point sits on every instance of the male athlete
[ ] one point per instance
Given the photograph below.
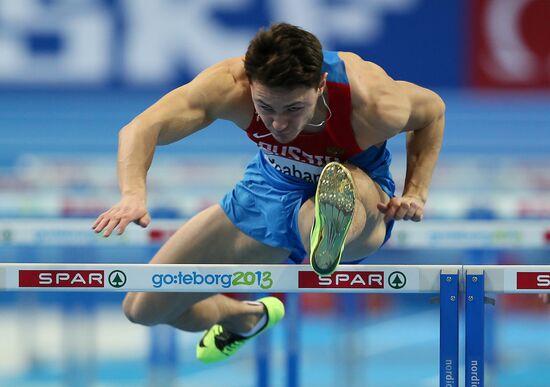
(319, 187)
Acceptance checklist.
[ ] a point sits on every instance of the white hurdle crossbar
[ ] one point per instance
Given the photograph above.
(220, 278)
(447, 280)
(254, 279)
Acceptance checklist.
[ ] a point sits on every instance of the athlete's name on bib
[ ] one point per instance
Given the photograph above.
(295, 171)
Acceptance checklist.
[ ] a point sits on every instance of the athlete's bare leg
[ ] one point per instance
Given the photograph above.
(208, 238)
(367, 230)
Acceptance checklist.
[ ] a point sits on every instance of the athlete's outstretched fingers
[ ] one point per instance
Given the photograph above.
(111, 226)
(402, 211)
(418, 215)
(401, 208)
(412, 212)
(102, 223)
(124, 222)
(390, 211)
(97, 221)
(393, 206)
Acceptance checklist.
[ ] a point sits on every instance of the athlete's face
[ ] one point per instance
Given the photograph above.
(285, 112)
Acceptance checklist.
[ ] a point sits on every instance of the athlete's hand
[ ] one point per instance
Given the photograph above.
(402, 208)
(129, 209)
(545, 298)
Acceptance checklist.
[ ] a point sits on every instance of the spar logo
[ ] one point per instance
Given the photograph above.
(533, 280)
(61, 279)
(117, 279)
(342, 279)
(397, 280)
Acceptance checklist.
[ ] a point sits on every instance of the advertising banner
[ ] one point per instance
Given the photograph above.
(509, 43)
(159, 43)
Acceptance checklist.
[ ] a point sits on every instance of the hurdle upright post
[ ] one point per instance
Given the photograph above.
(475, 325)
(448, 327)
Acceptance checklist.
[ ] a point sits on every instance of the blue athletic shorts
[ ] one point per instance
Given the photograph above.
(266, 202)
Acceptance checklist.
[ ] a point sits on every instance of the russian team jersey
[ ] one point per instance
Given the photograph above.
(306, 155)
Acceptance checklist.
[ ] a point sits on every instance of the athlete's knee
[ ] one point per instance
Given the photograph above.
(365, 244)
(136, 310)
(359, 216)
(364, 185)
(355, 171)
(128, 308)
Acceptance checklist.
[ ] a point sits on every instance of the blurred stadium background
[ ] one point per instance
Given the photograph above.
(72, 73)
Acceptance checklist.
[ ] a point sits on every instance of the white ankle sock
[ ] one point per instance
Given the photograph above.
(259, 325)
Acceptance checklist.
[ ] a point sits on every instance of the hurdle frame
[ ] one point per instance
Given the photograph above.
(449, 327)
(439, 279)
(446, 280)
(481, 280)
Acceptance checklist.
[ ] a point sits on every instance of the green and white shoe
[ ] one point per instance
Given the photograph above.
(334, 206)
(218, 343)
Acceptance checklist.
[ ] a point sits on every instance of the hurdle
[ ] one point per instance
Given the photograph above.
(443, 280)
(506, 235)
(483, 279)
(447, 280)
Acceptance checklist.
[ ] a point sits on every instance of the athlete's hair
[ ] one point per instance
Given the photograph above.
(284, 56)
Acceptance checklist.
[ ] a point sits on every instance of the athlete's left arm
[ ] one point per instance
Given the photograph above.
(424, 113)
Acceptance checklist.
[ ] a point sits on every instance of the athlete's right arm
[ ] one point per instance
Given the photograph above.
(212, 94)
